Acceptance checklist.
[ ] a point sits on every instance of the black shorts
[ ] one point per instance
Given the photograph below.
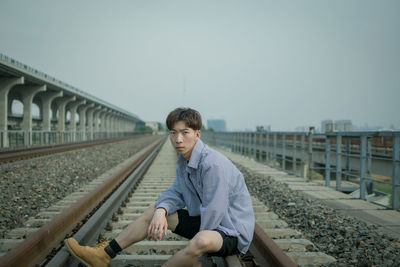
(189, 226)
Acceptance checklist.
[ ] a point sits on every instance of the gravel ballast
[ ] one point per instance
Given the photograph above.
(32, 184)
(350, 241)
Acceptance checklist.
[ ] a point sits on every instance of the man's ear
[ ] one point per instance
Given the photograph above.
(198, 134)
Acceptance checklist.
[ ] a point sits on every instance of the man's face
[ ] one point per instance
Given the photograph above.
(183, 138)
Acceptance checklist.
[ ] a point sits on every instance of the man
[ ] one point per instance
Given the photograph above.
(219, 218)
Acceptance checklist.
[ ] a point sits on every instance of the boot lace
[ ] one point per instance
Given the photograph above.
(101, 244)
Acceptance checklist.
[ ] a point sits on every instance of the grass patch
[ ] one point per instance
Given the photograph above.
(385, 188)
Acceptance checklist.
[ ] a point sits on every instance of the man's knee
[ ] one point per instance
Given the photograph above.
(199, 244)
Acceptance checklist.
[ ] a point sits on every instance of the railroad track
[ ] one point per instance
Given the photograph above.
(37, 151)
(126, 204)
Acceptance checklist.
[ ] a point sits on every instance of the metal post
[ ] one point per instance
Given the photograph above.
(327, 161)
(249, 144)
(294, 162)
(241, 144)
(238, 146)
(259, 143)
(303, 153)
(274, 159)
(255, 146)
(235, 142)
(347, 168)
(284, 151)
(266, 147)
(363, 155)
(231, 141)
(310, 151)
(396, 172)
(338, 162)
(369, 165)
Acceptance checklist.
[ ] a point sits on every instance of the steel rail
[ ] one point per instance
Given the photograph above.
(12, 155)
(36, 247)
(266, 252)
(88, 233)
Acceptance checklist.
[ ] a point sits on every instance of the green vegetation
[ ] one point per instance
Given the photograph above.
(143, 129)
(385, 188)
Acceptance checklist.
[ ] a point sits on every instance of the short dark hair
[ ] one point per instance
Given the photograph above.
(189, 116)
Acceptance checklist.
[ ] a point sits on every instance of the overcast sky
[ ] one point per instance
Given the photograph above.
(279, 63)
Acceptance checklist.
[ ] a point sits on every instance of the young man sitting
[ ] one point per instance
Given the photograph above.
(218, 218)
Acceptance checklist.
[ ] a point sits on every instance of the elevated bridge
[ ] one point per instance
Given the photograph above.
(66, 114)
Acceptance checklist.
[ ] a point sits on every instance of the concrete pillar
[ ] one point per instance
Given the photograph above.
(82, 119)
(90, 121)
(103, 115)
(106, 123)
(96, 125)
(72, 108)
(120, 125)
(47, 99)
(5, 86)
(62, 103)
(28, 93)
(111, 123)
(54, 109)
(116, 125)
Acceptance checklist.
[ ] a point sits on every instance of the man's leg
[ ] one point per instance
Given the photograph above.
(137, 230)
(203, 242)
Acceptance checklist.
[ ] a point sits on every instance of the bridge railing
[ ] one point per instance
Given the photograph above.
(31, 70)
(367, 164)
(19, 138)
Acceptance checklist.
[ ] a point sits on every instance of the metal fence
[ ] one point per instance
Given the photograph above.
(365, 164)
(21, 138)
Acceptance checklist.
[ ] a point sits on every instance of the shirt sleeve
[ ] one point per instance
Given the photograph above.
(171, 199)
(215, 197)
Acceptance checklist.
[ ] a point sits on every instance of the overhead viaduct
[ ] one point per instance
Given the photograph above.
(65, 112)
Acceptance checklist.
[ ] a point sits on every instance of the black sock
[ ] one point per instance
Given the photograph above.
(112, 249)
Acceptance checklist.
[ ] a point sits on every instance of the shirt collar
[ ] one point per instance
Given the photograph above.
(196, 155)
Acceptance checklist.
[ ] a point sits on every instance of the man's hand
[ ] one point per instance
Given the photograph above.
(158, 225)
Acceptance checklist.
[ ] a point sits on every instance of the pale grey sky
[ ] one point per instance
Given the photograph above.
(279, 63)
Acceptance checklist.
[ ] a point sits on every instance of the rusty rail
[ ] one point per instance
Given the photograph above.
(13, 155)
(266, 252)
(36, 247)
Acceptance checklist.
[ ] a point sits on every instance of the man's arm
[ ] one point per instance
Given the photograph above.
(167, 203)
(215, 197)
(171, 199)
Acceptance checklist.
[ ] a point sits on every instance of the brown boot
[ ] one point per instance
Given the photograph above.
(92, 256)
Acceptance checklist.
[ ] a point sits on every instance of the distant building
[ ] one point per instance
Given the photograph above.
(217, 125)
(153, 125)
(344, 126)
(327, 126)
(266, 128)
(336, 126)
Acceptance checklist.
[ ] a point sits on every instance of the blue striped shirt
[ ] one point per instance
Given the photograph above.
(211, 187)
